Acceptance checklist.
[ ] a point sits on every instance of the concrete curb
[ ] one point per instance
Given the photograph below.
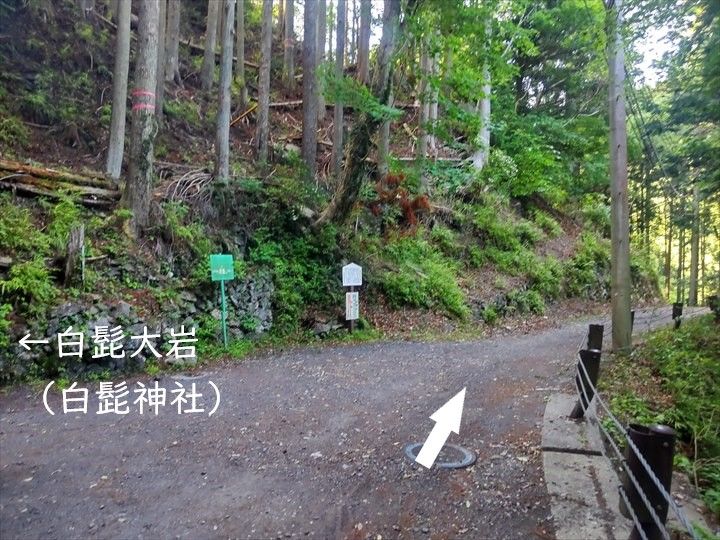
(581, 483)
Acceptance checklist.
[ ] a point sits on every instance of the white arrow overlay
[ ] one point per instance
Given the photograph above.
(447, 418)
(25, 342)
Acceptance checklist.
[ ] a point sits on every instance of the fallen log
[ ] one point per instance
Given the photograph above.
(93, 179)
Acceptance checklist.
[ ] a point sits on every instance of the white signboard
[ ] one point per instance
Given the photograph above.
(352, 306)
(352, 275)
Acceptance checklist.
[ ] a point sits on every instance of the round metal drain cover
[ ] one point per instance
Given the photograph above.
(451, 456)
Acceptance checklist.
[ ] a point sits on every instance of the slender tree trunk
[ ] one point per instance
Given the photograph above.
(668, 252)
(289, 58)
(137, 192)
(172, 42)
(220, 22)
(680, 276)
(222, 138)
(353, 33)
(694, 247)
(281, 17)
(338, 122)
(310, 90)
(160, 86)
(434, 96)
(116, 145)
(364, 42)
(384, 144)
(207, 73)
(331, 26)
(703, 247)
(263, 126)
(366, 125)
(240, 51)
(482, 153)
(620, 234)
(321, 34)
(424, 98)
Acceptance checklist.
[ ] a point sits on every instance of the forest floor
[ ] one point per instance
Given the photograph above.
(305, 442)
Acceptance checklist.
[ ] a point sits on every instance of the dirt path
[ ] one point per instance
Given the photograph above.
(304, 443)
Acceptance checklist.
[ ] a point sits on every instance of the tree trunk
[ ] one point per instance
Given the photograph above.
(289, 58)
(207, 73)
(366, 125)
(668, 252)
(310, 90)
(480, 156)
(321, 34)
(694, 247)
(434, 96)
(620, 234)
(263, 125)
(240, 52)
(172, 42)
(680, 273)
(339, 70)
(363, 62)
(281, 17)
(331, 27)
(160, 84)
(353, 33)
(137, 192)
(384, 145)
(424, 98)
(222, 139)
(74, 252)
(116, 145)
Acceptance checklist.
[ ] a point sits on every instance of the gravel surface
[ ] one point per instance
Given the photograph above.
(304, 443)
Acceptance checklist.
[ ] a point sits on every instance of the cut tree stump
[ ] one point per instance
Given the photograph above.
(74, 251)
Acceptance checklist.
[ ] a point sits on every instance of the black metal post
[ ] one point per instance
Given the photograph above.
(632, 320)
(657, 445)
(677, 310)
(595, 337)
(591, 361)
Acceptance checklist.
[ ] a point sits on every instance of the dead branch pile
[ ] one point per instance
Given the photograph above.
(192, 187)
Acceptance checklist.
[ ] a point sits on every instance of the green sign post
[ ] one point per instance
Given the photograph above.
(222, 270)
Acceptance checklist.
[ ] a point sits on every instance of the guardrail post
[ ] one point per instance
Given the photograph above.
(677, 310)
(595, 337)
(590, 359)
(656, 443)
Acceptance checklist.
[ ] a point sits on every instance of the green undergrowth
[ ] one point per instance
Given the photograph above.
(673, 378)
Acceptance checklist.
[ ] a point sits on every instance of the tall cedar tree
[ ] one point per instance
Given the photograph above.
(263, 125)
(363, 63)
(116, 145)
(138, 192)
(310, 89)
(240, 51)
(289, 56)
(207, 73)
(222, 139)
(337, 149)
(172, 42)
(321, 34)
(366, 125)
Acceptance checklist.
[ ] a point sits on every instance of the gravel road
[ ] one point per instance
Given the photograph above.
(304, 443)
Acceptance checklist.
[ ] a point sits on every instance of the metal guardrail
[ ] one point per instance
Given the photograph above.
(645, 497)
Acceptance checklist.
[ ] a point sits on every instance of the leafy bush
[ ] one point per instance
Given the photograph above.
(64, 215)
(527, 233)
(15, 223)
(445, 239)
(546, 277)
(5, 310)
(422, 277)
(587, 273)
(304, 273)
(547, 223)
(29, 284)
(596, 213)
(528, 301)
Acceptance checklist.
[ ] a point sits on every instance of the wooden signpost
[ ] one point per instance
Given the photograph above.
(222, 269)
(352, 277)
